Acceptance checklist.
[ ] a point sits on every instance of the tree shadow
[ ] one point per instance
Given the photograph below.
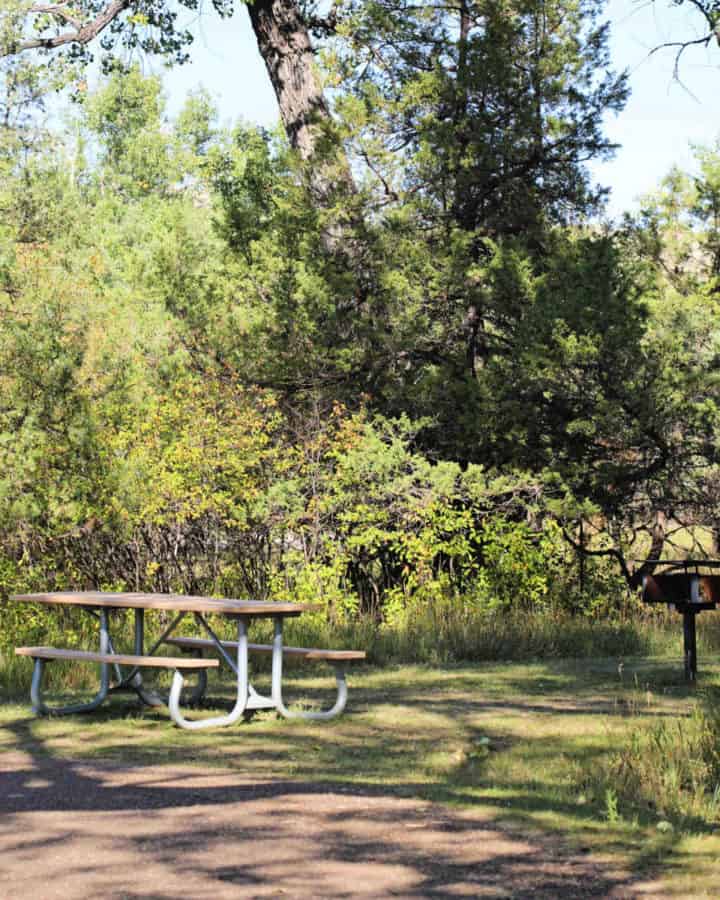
(156, 828)
(353, 805)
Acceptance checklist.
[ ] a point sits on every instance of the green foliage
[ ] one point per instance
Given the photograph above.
(492, 140)
(151, 27)
(139, 154)
(197, 397)
(371, 517)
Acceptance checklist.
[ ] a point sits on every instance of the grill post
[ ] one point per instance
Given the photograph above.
(690, 644)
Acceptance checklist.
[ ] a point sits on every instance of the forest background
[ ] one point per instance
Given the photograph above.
(386, 358)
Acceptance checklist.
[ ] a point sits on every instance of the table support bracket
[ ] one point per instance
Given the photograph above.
(39, 706)
(241, 696)
(255, 700)
(133, 681)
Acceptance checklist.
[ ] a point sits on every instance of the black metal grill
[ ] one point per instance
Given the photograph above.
(683, 586)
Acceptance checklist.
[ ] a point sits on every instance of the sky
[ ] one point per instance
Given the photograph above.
(662, 118)
(660, 122)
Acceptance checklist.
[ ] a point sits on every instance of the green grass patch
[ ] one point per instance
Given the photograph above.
(528, 743)
(667, 771)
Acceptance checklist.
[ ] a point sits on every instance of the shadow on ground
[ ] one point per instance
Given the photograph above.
(76, 829)
(120, 804)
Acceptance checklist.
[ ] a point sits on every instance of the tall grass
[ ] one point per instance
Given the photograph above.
(438, 635)
(668, 770)
(441, 635)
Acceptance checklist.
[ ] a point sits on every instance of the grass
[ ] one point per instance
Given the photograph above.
(441, 634)
(528, 743)
(668, 769)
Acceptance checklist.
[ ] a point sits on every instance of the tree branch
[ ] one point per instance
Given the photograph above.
(59, 10)
(82, 34)
(709, 10)
(609, 552)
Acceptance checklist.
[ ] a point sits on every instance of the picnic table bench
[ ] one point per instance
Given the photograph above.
(99, 604)
(41, 655)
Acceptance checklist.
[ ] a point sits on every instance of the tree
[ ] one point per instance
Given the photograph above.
(488, 314)
(473, 124)
(490, 108)
(151, 26)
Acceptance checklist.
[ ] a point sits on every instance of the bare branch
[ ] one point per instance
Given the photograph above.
(59, 10)
(390, 193)
(711, 14)
(82, 34)
(681, 47)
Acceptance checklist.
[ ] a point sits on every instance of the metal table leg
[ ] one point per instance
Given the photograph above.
(133, 680)
(255, 700)
(241, 695)
(39, 706)
(149, 698)
(277, 662)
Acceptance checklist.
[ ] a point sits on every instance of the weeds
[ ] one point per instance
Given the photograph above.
(667, 770)
(611, 806)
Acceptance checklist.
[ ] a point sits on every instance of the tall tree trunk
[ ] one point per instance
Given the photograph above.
(464, 211)
(284, 42)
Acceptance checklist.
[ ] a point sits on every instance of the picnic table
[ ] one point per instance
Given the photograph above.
(128, 667)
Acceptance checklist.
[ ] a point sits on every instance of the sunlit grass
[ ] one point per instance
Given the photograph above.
(515, 740)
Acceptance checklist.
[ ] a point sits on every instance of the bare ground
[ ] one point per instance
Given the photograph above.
(72, 828)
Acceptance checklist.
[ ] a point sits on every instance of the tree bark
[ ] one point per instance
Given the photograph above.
(284, 43)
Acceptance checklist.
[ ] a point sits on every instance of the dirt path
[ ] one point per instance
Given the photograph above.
(101, 830)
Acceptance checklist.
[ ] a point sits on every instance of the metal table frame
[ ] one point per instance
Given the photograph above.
(246, 697)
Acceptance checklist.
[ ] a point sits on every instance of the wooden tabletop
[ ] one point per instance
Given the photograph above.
(172, 602)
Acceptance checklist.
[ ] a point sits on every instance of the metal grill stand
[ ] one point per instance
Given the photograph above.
(683, 587)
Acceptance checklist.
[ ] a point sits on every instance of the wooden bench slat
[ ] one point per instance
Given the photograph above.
(123, 659)
(191, 643)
